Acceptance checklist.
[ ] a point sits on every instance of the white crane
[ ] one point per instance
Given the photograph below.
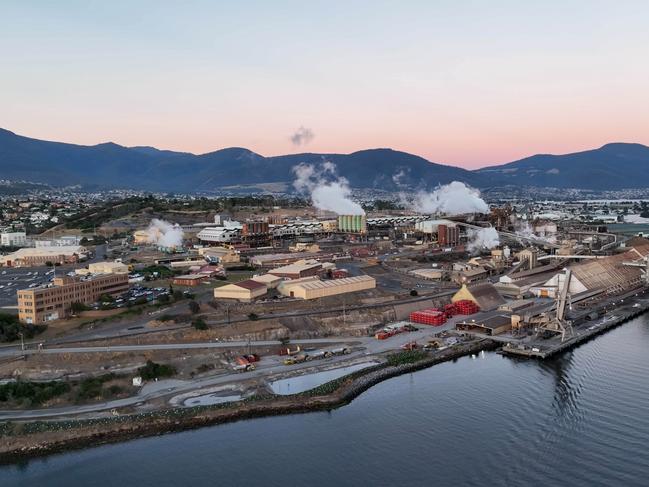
(558, 322)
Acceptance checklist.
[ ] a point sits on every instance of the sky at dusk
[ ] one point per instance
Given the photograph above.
(469, 83)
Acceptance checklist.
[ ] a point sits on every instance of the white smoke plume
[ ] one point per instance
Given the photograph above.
(524, 229)
(455, 198)
(302, 136)
(328, 191)
(398, 178)
(485, 238)
(164, 234)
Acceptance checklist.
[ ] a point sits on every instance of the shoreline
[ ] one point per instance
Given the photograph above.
(23, 441)
(19, 445)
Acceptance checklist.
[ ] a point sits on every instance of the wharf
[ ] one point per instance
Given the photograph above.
(581, 336)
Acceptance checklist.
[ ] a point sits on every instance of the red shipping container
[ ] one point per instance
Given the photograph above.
(466, 307)
(432, 317)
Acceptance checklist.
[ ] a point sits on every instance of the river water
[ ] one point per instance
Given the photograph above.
(581, 419)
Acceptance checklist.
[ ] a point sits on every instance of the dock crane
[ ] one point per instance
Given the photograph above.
(558, 322)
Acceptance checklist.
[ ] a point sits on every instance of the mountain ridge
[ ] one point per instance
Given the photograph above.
(616, 165)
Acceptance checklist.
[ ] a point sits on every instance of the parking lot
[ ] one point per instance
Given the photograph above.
(13, 279)
(136, 295)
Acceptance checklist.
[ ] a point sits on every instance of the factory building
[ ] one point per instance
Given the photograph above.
(254, 228)
(447, 231)
(470, 274)
(103, 268)
(269, 280)
(448, 236)
(608, 275)
(296, 229)
(274, 260)
(245, 291)
(256, 234)
(65, 241)
(230, 232)
(430, 274)
(220, 255)
(298, 270)
(485, 295)
(13, 239)
(28, 257)
(190, 279)
(352, 224)
(43, 304)
(140, 237)
(313, 288)
(491, 326)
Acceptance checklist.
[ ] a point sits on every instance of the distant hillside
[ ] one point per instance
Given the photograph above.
(111, 165)
(108, 165)
(613, 166)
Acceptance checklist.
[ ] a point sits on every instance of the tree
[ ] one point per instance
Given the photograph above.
(178, 295)
(199, 324)
(78, 307)
(163, 298)
(153, 370)
(253, 316)
(194, 307)
(413, 292)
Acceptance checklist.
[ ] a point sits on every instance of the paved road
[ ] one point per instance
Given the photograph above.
(369, 348)
(167, 346)
(137, 325)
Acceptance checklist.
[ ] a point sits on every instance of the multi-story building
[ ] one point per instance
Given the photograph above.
(43, 304)
(27, 257)
(13, 239)
(116, 267)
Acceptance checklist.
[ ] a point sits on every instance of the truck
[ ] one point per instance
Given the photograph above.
(341, 351)
(244, 363)
(296, 359)
(243, 368)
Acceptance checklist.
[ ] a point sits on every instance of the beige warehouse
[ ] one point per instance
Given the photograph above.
(241, 291)
(313, 288)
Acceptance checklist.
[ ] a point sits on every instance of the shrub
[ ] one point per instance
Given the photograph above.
(199, 324)
(78, 307)
(153, 370)
(32, 392)
(194, 307)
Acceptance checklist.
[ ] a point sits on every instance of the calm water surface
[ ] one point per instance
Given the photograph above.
(581, 420)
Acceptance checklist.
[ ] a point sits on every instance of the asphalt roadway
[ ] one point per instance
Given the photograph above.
(365, 349)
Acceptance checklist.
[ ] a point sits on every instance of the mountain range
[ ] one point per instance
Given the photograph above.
(109, 165)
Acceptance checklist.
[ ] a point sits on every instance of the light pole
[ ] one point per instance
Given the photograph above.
(22, 341)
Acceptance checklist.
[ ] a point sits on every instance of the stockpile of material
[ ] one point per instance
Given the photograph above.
(432, 317)
(466, 307)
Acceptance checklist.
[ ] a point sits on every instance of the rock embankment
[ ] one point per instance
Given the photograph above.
(24, 440)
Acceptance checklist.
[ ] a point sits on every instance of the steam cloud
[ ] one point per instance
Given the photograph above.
(302, 136)
(455, 198)
(398, 178)
(165, 234)
(485, 238)
(524, 229)
(328, 191)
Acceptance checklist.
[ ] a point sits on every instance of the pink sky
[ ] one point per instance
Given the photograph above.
(464, 85)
